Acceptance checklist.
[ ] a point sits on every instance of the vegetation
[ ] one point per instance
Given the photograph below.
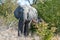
(49, 11)
(7, 12)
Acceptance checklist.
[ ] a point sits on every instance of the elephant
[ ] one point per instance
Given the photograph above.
(25, 15)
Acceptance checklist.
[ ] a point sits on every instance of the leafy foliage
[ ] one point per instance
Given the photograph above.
(50, 12)
(6, 11)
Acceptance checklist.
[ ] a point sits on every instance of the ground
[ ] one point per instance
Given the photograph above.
(11, 34)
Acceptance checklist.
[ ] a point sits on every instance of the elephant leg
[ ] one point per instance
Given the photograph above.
(20, 27)
(26, 28)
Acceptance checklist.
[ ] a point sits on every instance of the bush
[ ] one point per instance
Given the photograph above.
(49, 11)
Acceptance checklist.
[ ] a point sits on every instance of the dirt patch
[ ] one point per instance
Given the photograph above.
(11, 34)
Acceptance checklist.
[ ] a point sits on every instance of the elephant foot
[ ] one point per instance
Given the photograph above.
(20, 34)
(26, 34)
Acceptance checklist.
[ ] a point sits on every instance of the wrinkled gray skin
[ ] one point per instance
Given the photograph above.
(25, 14)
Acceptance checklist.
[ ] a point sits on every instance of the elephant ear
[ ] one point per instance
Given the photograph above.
(16, 12)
